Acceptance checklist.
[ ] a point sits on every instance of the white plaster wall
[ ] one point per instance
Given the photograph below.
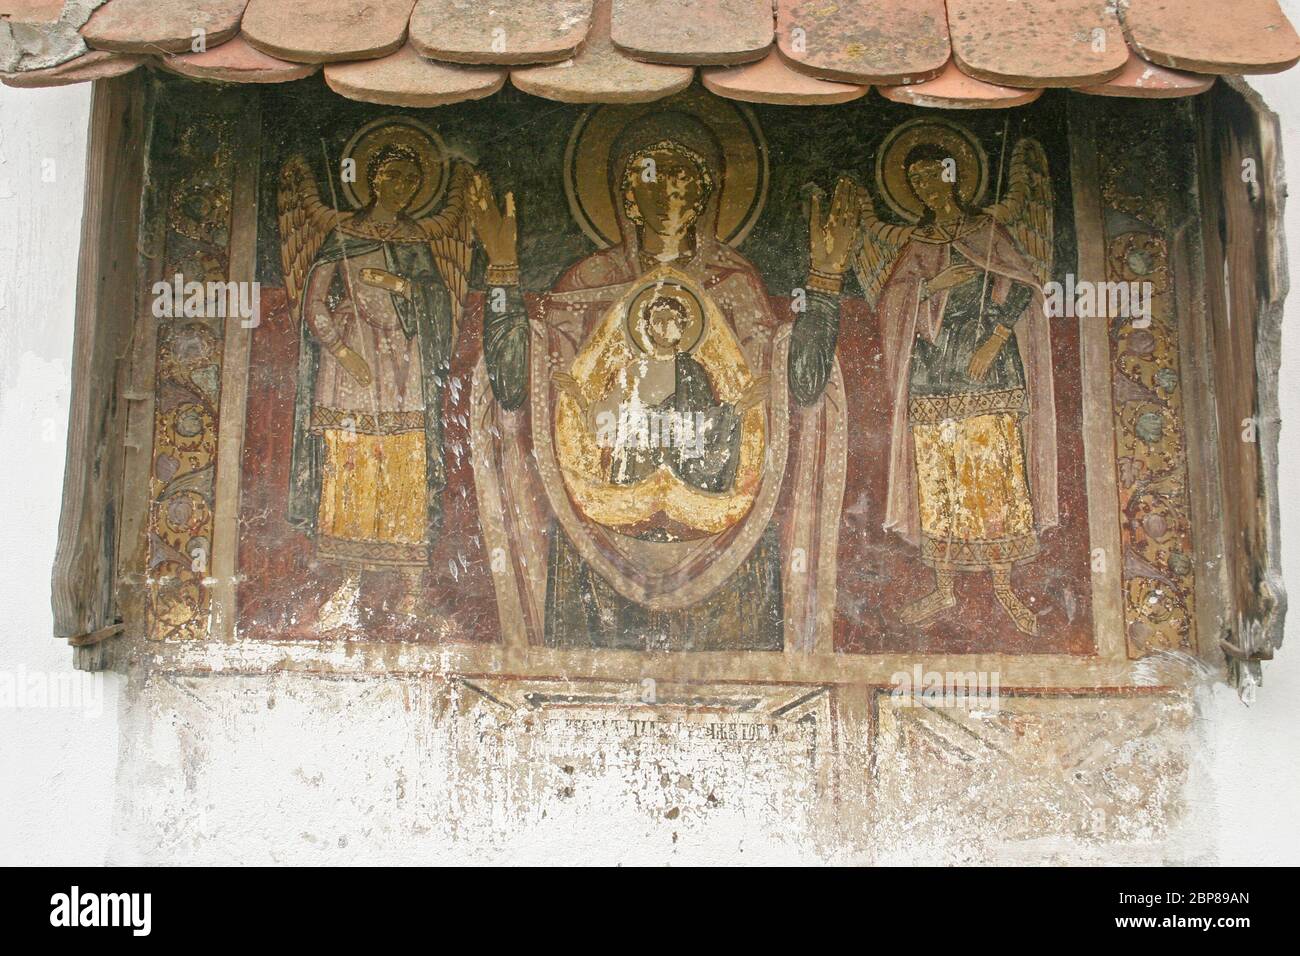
(57, 764)
(59, 793)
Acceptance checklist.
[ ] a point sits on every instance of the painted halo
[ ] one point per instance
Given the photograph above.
(400, 131)
(638, 315)
(954, 140)
(744, 154)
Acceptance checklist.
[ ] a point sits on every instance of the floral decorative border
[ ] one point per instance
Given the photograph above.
(196, 203)
(1138, 167)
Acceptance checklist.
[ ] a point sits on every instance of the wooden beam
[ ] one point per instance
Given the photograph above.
(83, 584)
(1242, 188)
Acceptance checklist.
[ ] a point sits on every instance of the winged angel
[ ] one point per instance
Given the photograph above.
(958, 295)
(377, 293)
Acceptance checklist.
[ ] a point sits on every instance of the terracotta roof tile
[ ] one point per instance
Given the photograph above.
(1142, 78)
(162, 26)
(770, 80)
(237, 62)
(405, 78)
(1205, 36)
(600, 73)
(95, 65)
(953, 89)
(693, 32)
(1030, 43)
(321, 31)
(884, 41)
(503, 31)
(962, 53)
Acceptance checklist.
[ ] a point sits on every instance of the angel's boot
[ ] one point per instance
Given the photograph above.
(940, 599)
(1025, 620)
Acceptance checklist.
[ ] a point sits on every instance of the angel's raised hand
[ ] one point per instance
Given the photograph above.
(496, 229)
(833, 236)
(355, 365)
(954, 275)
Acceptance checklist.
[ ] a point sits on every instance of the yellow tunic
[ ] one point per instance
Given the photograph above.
(974, 500)
(374, 499)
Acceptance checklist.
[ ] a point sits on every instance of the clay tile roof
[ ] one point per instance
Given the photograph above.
(506, 32)
(162, 26)
(407, 79)
(1028, 43)
(236, 61)
(950, 53)
(953, 89)
(884, 42)
(311, 31)
(693, 33)
(771, 81)
(601, 73)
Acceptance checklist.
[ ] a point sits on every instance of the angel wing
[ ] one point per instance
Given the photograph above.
(878, 246)
(305, 222)
(1026, 210)
(451, 238)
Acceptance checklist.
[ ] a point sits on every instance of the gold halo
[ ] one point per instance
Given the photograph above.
(400, 131)
(634, 320)
(956, 141)
(744, 154)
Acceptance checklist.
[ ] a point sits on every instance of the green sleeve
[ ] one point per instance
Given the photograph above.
(812, 347)
(505, 348)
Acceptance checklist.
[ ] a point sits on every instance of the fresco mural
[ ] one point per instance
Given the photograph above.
(679, 376)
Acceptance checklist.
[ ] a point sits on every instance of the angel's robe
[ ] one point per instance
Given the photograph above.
(406, 343)
(928, 345)
(941, 365)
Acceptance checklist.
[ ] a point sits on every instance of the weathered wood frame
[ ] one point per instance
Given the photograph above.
(1242, 194)
(84, 580)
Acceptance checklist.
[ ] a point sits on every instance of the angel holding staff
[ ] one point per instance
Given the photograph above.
(377, 293)
(967, 353)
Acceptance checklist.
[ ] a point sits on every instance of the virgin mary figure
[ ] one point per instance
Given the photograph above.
(701, 537)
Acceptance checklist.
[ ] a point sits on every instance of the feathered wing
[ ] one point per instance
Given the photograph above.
(451, 238)
(1026, 209)
(878, 246)
(305, 222)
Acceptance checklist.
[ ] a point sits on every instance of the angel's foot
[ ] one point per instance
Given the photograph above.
(1025, 620)
(940, 599)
